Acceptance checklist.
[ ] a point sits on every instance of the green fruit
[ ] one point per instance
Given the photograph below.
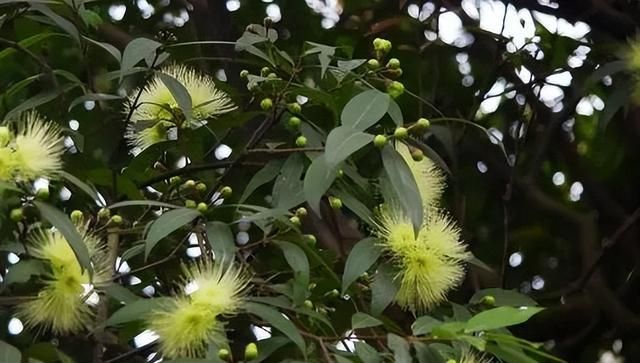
(393, 63)
(224, 354)
(308, 304)
(294, 107)
(202, 207)
(301, 141)
(266, 104)
(339, 173)
(189, 184)
(373, 64)
(190, 203)
(5, 136)
(400, 133)
(175, 180)
(42, 193)
(116, 220)
(381, 45)
(16, 215)
(251, 351)
(295, 220)
(226, 192)
(244, 74)
(294, 122)
(417, 155)
(489, 300)
(104, 213)
(335, 203)
(333, 293)
(312, 285)
(311, 239)
(201, 187)
(379, 141)
(422, 123)
(395, 89)
(301, 212)
(264, 71)
(77, 217)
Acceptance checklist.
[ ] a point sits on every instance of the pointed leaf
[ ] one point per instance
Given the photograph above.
(299, 263)
(89, 190)
(221, 240)
(342, 142)
(137, 310)
(361, 320)
(500, 317)
(287, 189)
(93, 97)
(278, 321)
(179, 93)
(265, 175)
(395, 112)
(137, 50)
(367, 353)
(61, 22)
(503, 297)
(362, 256)
(403, 184)
(317, 181)
(365, 109)
(424, 324)
(9, 353)
(115, 52)
(400, 348)
(383, 290)
(167, 223)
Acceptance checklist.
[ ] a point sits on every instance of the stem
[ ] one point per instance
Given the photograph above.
(113, 240)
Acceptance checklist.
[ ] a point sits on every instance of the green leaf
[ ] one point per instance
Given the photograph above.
(348, 66)
(367, 353)
(476, 342)
(262, 177)
(89, 190)
(400, 348)
(120, 294)
(395, 112)
(342, 142)
(221, 239)
(427, 354)
(149, 203)
(325, 52)
(365, 109)
(137, 50)
(383, 290)
(39, 99)
(93, 97)
(167, 223)
(509, 354)
(266, 347)
(503, 297)
(137, 310)
(61, 22)
(275, 319)
(180, 94)
(361, 320)
(500, 317)
(108, 47)
(297, 259)
(23, 270)
(68, 230)
(450, 330)
(9, 353)
(615, 101)
(317, 180)
(341, 359)
(287, 189)
(364, 254)
(353, 204)
(29, 42)
(424, 325)
(404, 185)
(188, 360)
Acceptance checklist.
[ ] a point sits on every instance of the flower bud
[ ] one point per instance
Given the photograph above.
(251, 351)
(295, 220)
(264, 71)
(294, 122)
(16, 214)
(379, 141)
(335, 203)
(400, 133)
(373, 64)
(294, 107)
(202, 207)
(422, 123)
(301, 141)
(77, 217)
(42, 193)
(395, 89)
(104, 213)
(226, 192)
(311, 239)
(190, 203)
(201, 187)
(244, 74)
(393, 63)
(175, 180)
(224, 354)
(266, 104)
(189, 184)
(417, 155)
(488, 300)
(301, 212)
(116, 220)
(267, 22)
(308, 304)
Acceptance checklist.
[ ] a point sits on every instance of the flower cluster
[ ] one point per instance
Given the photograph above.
(431, 261)
(189, 321)
(34, 149)
(63, 304)
(155, 116)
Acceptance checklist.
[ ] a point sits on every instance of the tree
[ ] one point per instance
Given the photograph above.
(399, 182)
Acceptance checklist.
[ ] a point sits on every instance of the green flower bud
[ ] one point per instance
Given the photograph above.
(294, 107)
(400, 133)
(301, 141)
(295, 220)
(201, 187)
(175, 180)
(488, 300)
(266, 104)
(311, 239)
(226, 192)
(16, 215)
(224, 354)
(272, 75)
(393, 63)
(264, 71)
(244, 74)
(267, 22)
(42, 193)
(77, 217)
(379, 141)
(189, 184)
(294, 122)
(417, 155)
(422, 123)
(335, 203)
(116, 220)
(301, 212)
(394, 73)
(312, 285)
(202, 207)
(251, 351)
(5, 136)
(373, 64)
(395, 89)
(190, 203)
(339, 173)
(308, 304)
(104, 213)
(333, 293)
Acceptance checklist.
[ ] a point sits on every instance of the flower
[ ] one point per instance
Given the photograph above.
(428, 176)
(470, 357)
(155, 104)
(188, 322)
(61, 305)
(35, 150)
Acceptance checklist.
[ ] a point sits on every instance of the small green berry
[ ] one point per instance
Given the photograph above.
(400, 133)
(77, 217)
(308, 304)
(301, 141)
(42, 193)
(301, 212)
(5, 136)
(175, 180)
(373, 64)
(393, 63)
(116, 220)
(272, 76)
(311, 239)
(395, 89)
(104, 213)
(224, 354)
(294, 122)
(202, 207)
(294, 107)
(295, 220)
(226, 192)
(333, 293)
(422, 123)
(264, 71)
(190, 203)
(189, 184)
(16, 215)
(266, 104)
(335, 203)
(379, 141)
(489, 300)
(417, 155)
(244, 74)
(339, 173)
(251, 351)
(312, 285)
(201, 187)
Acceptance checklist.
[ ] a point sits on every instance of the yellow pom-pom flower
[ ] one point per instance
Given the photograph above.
(469, 356)
(428, 176)
(35, 150)
(190, 321)
(156, 104)
(62, 306)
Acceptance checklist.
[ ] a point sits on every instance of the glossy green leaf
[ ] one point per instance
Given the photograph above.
(362, 256)
(361, 320)
(404, 185)
(137, 310)
(383, 290)
(267, 347)
(400, 348)
(262, 177)
(424, 325)
(180, 94)
(297, 259)
(287, 189)
(395, 112)
(9, 353)
(503, 297)
(148, 203)
(367, 353)
(61, 22)
(221, 239)
(121, 294)
(23, 270)
(115, 52)
(93, 97)
(317, 181)
(279, 322)
(500, 317)
(509, 354)
(88, 189)
(365, 109)
(342, 142)
(137, 50)
(167, 223)
(426, 354)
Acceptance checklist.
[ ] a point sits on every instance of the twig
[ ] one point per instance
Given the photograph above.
(285, 150)
(113, 240)
(41, 62)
